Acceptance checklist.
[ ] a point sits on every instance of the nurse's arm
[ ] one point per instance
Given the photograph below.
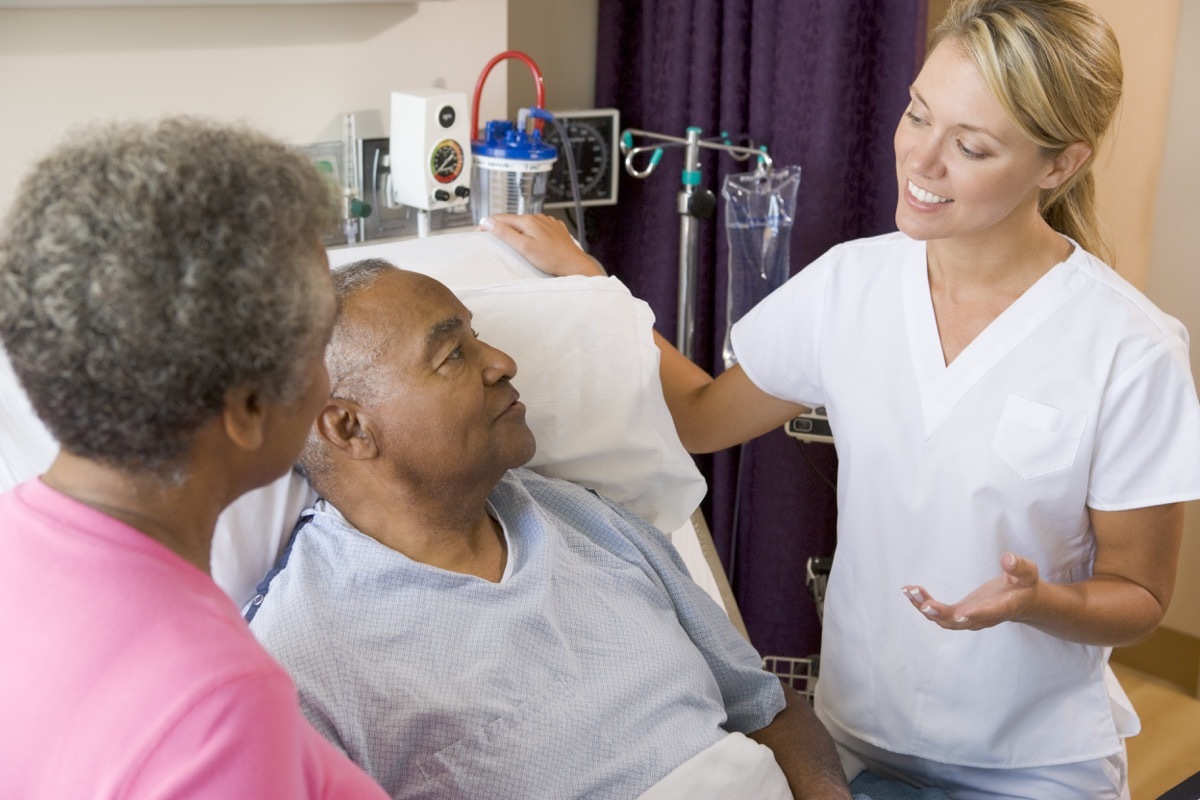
(1137, 552)
(713, 414)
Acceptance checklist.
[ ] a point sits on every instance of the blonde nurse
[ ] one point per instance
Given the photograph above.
(1017, 427)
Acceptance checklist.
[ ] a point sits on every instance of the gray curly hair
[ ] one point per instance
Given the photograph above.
(148, 268)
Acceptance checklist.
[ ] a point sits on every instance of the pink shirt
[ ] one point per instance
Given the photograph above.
(127, 673)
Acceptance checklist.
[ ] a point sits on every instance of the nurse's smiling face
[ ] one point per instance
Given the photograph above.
(964, 169)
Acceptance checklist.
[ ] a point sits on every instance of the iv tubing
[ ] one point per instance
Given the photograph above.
(537, 78)
(572, 171)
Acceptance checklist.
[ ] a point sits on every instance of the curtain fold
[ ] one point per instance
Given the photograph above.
(822, 83)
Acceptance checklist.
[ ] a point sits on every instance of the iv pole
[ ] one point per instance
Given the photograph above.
(693, 204)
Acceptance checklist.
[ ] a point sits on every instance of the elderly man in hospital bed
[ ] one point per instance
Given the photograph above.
(462, 627)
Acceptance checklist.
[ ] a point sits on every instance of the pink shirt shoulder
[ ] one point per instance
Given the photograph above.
(129, 674)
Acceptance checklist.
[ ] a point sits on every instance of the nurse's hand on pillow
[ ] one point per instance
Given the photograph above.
(1005, 597)
(544, 242)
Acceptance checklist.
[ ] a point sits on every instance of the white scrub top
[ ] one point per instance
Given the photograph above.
(1079, 394)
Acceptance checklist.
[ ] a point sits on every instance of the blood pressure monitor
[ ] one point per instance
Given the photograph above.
(593, 139)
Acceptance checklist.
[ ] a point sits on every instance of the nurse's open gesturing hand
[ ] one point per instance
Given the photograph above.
(1001, 599)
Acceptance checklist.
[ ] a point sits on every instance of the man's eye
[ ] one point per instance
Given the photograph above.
(456, 353)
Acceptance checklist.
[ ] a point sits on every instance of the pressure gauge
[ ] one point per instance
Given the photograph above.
(446, 162)
(592, 137)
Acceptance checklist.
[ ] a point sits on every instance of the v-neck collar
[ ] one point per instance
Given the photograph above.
(941, 386)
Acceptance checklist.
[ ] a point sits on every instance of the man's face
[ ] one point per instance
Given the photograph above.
(438, 400)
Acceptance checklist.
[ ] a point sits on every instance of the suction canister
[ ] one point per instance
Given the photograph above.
(509, 170)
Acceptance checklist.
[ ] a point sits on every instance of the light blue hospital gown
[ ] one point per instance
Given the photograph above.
(592, 670)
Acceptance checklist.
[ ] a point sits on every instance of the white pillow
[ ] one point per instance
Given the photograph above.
(26, 447)
(587, 372)
(458, 260)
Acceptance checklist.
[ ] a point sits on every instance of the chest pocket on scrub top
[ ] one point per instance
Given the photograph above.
(1036, 439)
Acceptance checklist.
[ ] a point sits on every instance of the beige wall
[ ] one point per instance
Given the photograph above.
(561, 38)
(1128, 167)
(1174, 281)
(1148, 199)
(290, 70)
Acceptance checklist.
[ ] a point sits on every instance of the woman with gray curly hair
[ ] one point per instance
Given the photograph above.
(165, 302)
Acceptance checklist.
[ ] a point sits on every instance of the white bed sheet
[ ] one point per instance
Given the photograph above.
(736, 766)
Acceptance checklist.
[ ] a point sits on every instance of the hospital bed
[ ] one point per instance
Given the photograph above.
(588, 375)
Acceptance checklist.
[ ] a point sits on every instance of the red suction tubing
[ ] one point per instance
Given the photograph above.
(537, 78)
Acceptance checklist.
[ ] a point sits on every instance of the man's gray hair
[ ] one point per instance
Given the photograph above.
(347, 358)
(148, 269)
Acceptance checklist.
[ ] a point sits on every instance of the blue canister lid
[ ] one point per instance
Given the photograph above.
(502, 140)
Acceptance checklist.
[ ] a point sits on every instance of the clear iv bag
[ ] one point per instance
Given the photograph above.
(759, 209)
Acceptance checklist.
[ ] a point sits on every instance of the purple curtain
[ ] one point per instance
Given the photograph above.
(822, 83)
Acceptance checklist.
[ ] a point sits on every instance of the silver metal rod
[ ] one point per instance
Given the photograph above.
(685, 332)
(685, 328)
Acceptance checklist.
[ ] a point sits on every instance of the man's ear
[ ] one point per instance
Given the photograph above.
(1066, 163)
(344, 427)
(244, 418)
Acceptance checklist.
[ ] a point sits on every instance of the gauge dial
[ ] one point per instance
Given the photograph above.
(446, 161)
(592, 139)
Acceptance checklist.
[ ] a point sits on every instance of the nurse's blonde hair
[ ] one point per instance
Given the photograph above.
(1055, 67)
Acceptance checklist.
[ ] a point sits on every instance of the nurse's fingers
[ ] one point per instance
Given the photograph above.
(998, 600)
(916, 595)
(987, 606)
(543, 241)
(925, 604)
(1020, 571)
(527, 224)
(528, 228)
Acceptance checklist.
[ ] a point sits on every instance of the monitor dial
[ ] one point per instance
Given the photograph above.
(446, 161)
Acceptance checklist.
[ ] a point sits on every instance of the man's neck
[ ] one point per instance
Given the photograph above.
(451, 530)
